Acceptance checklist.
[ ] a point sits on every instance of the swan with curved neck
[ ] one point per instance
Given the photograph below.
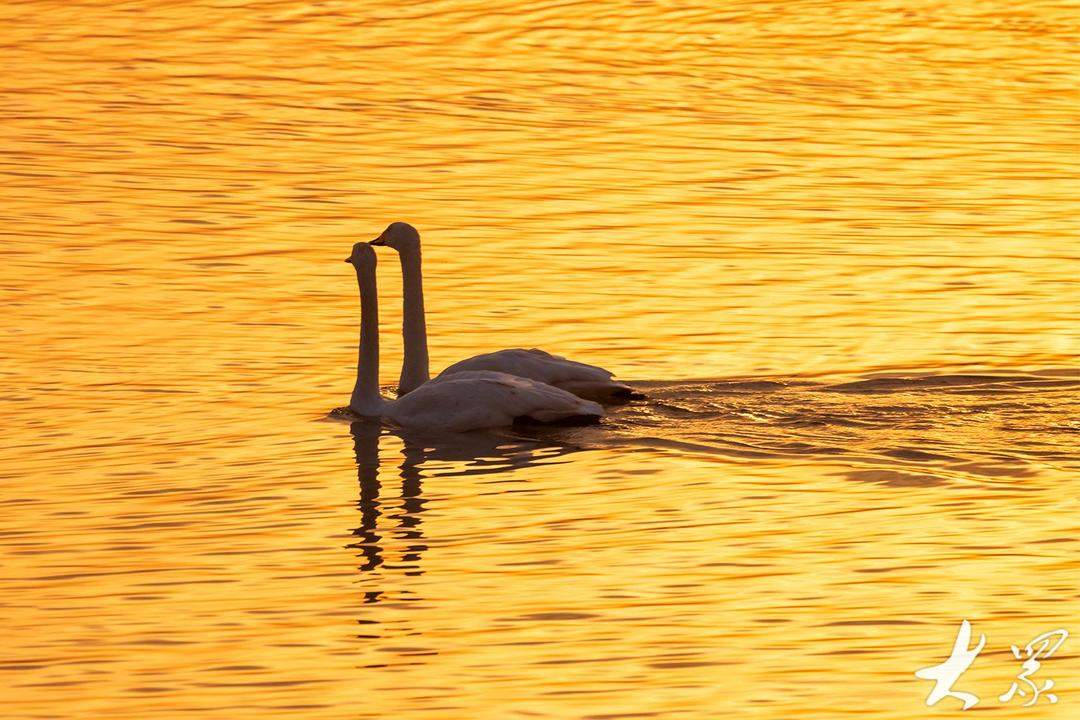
(586, 381)
(466, 401)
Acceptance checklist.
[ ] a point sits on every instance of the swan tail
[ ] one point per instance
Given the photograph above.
(603, 392)
(630, 393)
(574, 412)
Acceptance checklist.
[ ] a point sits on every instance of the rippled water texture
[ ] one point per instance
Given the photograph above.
(834, 242)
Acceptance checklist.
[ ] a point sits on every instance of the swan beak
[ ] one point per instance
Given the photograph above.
(378, 241)
(348, 260)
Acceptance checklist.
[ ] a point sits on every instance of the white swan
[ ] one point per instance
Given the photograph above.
(587, 381)
(458, 403)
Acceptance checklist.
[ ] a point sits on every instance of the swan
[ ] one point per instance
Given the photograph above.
(461, 402)
(586, 381)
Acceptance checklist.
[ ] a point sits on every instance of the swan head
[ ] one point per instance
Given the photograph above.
(362, 256)
(399, 236)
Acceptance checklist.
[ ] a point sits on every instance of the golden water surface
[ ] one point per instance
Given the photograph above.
(833, 240)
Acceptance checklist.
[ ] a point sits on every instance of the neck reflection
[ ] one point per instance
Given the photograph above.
(389, 528)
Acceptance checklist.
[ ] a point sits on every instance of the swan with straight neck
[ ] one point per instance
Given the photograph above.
(585, 381)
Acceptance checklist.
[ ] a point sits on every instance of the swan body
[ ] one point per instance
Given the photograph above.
(463, 401)
(585, 381)
(476, 399)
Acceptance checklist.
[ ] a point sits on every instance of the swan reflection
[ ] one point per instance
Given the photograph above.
(385, 529)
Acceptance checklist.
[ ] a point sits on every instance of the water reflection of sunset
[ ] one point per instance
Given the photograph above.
(779, 199)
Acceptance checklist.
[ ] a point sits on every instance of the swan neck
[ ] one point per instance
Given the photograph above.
(365, 395)
(414, 370)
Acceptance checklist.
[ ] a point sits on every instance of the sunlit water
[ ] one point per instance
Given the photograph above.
(833, 241)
